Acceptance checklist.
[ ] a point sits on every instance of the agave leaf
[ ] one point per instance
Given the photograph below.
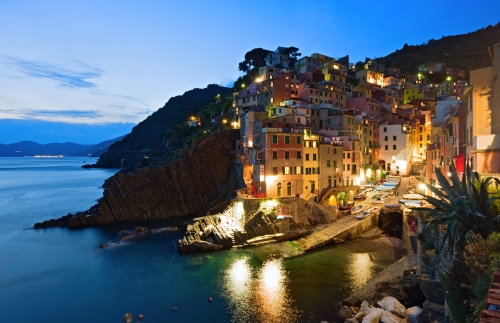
(449, 235)
(439, 204)
(436, 191)
(443, 181)
(455, 179)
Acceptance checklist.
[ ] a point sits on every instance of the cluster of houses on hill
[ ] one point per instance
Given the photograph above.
(317, 125)
(307, 128)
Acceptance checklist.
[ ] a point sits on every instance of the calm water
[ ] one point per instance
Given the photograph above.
(60, 275)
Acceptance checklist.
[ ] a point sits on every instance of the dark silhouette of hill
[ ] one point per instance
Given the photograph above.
(97, 150)
(467, 51)
(30, 148)
(144, 136)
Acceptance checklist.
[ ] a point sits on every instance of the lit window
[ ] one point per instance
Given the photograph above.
(286, 170)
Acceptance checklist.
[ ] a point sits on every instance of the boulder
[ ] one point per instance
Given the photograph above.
(352, 301)
(363, 312)
(432, 289)
(414, 314)
(140, 230)
(203, 245)
(345, 312)
(125, 234)
(210, 240)
(388, 317)
(206, 232)
(365, 304)
(374, 315)
(432, 311)
(392, 305)
(354, 309)
(351, 320)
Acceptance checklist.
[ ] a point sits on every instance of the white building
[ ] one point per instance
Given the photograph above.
(395, 148)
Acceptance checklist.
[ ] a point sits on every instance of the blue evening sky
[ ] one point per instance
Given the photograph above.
(97, 65)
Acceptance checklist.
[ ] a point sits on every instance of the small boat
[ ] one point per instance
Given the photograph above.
(346, 207)
(362, 215)
(374, 209)
(282, 217)
(379, 198)
(356, 209)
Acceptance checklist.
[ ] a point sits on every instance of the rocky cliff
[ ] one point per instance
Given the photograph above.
(189, 186)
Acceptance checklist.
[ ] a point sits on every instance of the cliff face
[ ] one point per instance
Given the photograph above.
(186, 187)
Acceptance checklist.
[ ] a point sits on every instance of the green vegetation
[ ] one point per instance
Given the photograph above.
(466, 210)
(467, 51)
(151, 136)
(465, 206)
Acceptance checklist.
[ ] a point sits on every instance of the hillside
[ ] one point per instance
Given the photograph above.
(145, 136)
(467, 51)
(30, 148)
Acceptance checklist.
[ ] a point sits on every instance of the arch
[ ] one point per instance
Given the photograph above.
(289, 189)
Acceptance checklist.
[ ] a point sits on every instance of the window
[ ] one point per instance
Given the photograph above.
(328, 150)
(328, 164)
(385, 129)
(343, 167)
(348, 155)
(314, 156)
(289, 189)
(287, 154)
(348, 166)
(275, 154)
(286, 170)
(335, 164)
(386, 147)
(279, 189)
(298, 170)
(334, 151)
(393, 147)
(287, 139)
(307, 156)
(275, 139)
(298, 137)
(394, 138)
(299, 154)
(275, 170)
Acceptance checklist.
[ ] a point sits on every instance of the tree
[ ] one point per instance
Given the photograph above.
(293, 54)
(465, 206)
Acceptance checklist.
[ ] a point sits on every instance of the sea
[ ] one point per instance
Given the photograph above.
(61, 275)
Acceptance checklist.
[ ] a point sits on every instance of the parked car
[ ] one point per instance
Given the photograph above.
(360, 197)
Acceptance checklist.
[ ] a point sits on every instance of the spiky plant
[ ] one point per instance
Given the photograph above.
(464, 207)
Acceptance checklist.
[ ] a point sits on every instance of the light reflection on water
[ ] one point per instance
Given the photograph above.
(259, 295)
(360, 267)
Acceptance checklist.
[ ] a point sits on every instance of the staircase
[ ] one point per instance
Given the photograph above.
(414, 242)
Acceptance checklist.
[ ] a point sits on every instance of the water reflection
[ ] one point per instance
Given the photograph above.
(360, 268)
(259, 295)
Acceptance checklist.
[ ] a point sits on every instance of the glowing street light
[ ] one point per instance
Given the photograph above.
(224, 121)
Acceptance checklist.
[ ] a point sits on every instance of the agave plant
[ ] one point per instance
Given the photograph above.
(464, 207)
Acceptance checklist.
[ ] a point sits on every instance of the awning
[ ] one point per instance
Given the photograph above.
(459, 163)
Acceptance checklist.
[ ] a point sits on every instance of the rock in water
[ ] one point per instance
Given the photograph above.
(203, 245)
(345, 312)
(392, 305)
(374, 315)
(141, 230)
(102, 245)
(125, 234)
